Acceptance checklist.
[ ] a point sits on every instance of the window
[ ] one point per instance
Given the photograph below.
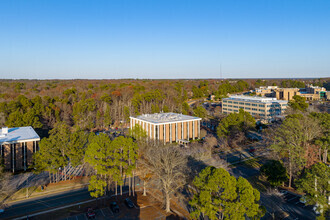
(235, 110)
(235, 102)
(254, 105)
(261, 105)
(235, 106)
(247, 108)
(230, 106)
(261, 110)
(241, 103)
(229, 101)
(254, 109)
(224, 108)
(247, 104)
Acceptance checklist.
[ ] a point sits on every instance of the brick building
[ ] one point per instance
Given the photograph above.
(168, 127)
(17, 146)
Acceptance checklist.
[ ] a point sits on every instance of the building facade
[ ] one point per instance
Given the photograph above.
(286, 93)
(17, 145)
(267, 91)
(259, 107)
(310, 92)
(168, 127)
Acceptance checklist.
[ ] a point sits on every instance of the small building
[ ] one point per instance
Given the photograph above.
(266, 91)
(259, 107)
(168, 127)
(17, 145)
(310, 92)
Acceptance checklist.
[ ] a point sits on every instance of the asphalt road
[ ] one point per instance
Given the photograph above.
(29, 206)
(43, 203)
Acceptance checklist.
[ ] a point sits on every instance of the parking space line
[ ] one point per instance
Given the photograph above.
(102, 212)
(111, 212)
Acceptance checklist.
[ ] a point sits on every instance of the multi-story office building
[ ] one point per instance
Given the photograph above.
(259, 107)
(17, 146)
(168, 127)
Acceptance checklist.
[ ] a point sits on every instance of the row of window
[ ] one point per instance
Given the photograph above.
(246, 108)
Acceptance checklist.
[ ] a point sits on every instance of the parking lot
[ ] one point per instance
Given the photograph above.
(295, 208)
(148, 212)
(144, 208)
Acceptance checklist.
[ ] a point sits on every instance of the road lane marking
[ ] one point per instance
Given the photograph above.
(51, 199)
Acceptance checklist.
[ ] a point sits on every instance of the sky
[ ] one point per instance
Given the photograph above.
(70, 39)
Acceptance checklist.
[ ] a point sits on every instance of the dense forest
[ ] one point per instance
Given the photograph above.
(98, 104)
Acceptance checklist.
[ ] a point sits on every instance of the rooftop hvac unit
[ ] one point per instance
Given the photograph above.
(5, 130)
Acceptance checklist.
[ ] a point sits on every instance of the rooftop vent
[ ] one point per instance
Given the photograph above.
(4, 132)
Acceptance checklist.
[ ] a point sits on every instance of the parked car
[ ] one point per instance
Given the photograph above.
(114, 207)
(129, 203)
(90, 213)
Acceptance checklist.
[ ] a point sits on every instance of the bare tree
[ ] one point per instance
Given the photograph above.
(5, 188)
(167, 165)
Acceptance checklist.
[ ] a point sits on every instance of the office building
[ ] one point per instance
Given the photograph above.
(259, 107)
(168, 127)
(17, 146)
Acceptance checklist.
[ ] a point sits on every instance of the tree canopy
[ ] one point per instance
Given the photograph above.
(241, 121)
(220, 194)
(298, 103)
(315, 182)
(275, 172)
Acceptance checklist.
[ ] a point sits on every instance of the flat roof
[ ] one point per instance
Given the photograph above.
(19, 134)
(255, 99)
(165, 117)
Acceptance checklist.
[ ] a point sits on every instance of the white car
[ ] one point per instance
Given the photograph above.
(318, 209)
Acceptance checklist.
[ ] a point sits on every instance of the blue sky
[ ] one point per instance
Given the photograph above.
(164, 39)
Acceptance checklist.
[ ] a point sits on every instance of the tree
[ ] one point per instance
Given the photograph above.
(288, 144)
(96, 152)
(241, 121)
(167, 166)
(5, 186)
(125, 155)
(77, 147)
(298, 103)
(96, 186)
(323, 141)
(200, 112)
(218, 194)
(97, 156)
(53, 151)
(315, 182)
(275, 172)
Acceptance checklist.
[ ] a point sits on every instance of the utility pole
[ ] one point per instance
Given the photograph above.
(27, 188)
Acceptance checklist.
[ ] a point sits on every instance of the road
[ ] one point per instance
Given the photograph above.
(47, 202)
(34, 205)
(274, 203)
